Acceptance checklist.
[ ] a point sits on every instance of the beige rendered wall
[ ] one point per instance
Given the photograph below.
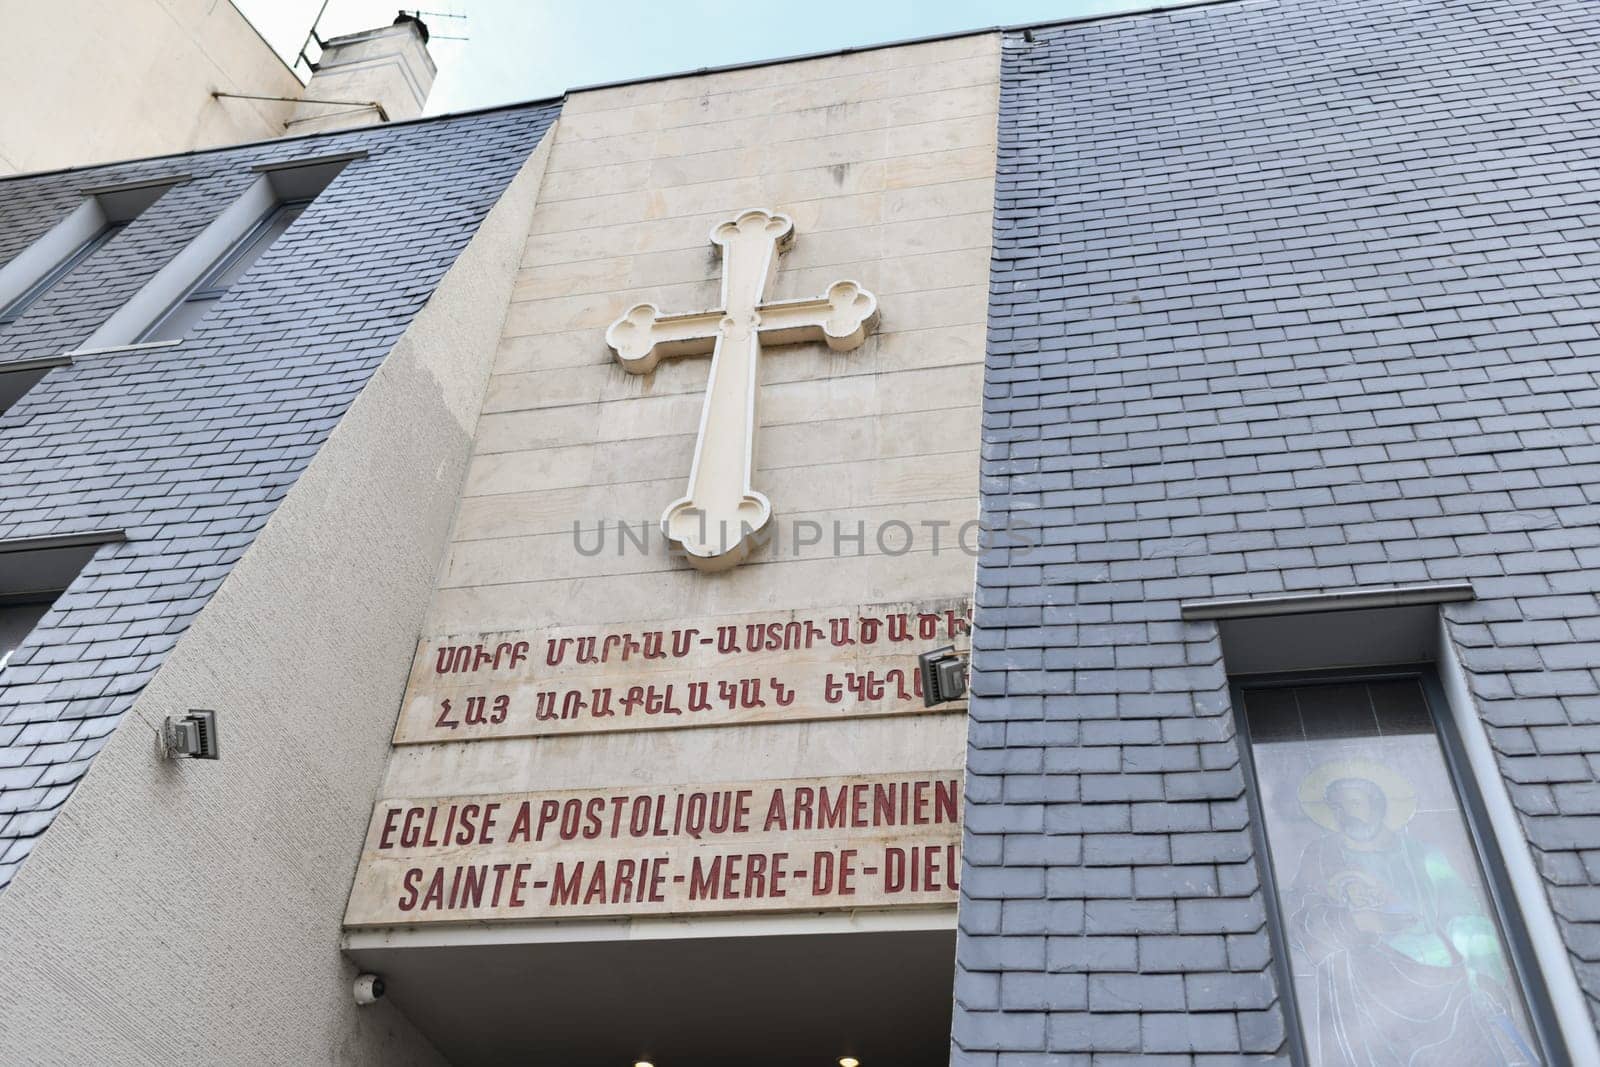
(885, 161)
(185, 911)
(86, 81)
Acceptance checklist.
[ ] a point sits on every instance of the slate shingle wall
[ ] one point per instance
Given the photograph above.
(189, 448)
(1286, 297)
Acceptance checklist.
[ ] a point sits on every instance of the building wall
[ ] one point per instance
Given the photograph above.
(189, 448)
(1287, 296)
(120, 79)
(184, 906)
(885, 160)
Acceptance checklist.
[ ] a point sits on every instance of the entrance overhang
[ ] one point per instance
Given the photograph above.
(802, 990)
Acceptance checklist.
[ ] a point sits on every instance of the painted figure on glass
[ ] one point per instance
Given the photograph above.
(1409, 966)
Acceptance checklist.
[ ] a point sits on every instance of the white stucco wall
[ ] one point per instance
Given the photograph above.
(87, 81)
(184, 911)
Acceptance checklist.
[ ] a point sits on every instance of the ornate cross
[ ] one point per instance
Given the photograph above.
(715, 522)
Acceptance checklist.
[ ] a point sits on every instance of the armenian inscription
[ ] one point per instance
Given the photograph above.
(792, 845)
(770, 667)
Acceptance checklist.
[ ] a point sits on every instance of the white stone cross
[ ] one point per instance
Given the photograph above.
(715, 522)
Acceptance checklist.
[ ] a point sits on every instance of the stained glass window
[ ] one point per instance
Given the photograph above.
(1395, 950)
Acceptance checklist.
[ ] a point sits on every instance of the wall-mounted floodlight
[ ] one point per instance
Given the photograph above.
(192, 737)
(944, 676)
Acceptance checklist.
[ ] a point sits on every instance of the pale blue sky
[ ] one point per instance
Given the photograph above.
(527, 49)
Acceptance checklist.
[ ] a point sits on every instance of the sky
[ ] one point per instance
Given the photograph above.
(531, 49)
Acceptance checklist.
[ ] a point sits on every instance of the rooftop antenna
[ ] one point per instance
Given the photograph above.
(311, 35)
(427, 16)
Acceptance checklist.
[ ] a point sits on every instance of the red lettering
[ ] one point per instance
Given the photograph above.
(472, 888)
(408, 899)
(522, 826)
(803, 796)
(777, 813)
(518, 884)
(409, 832)
(594, 822)
(622, 882)
(741, 811)
(756, 877)
(858, 805)
(658, 876)
(705, 878)
(883, 806)
(564, 885)
(433, 897)
(822, 870)
(596, 893)
(386, 838)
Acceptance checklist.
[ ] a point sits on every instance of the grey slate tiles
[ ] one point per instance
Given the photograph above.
(1286, 296)
(189, 448)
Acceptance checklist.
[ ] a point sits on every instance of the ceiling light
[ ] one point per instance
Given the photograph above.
(643, 1063)
(849, 1061)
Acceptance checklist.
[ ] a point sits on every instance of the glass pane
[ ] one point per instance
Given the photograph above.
(1394, 948)
(229, 269)
(16, 623)
(59, 271)
(268, 230)
(14, 383)
(181, 319)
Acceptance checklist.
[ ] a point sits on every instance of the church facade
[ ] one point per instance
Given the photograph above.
(548, 524)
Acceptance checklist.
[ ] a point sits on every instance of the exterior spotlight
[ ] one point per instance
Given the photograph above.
(368, 989)
(192, 737)
(944, 676)
(643, 1063)
(849, 1061)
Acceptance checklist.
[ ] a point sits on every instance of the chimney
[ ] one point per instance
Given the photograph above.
(365, 78)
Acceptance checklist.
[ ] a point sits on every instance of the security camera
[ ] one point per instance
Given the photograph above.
(369, 988)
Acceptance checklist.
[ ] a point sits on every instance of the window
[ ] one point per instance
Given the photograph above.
(17, 621)
(1400, 945)
(182, 316)
(168, 305)
(19, 375)
(13, 310)
(33, 573)
(99, 216)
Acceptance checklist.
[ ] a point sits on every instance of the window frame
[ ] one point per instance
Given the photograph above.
(18, 376)
(1480, 831)
(18, 307)
(40, 570)
(44, 598)
(206, 287)
(274, 183)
